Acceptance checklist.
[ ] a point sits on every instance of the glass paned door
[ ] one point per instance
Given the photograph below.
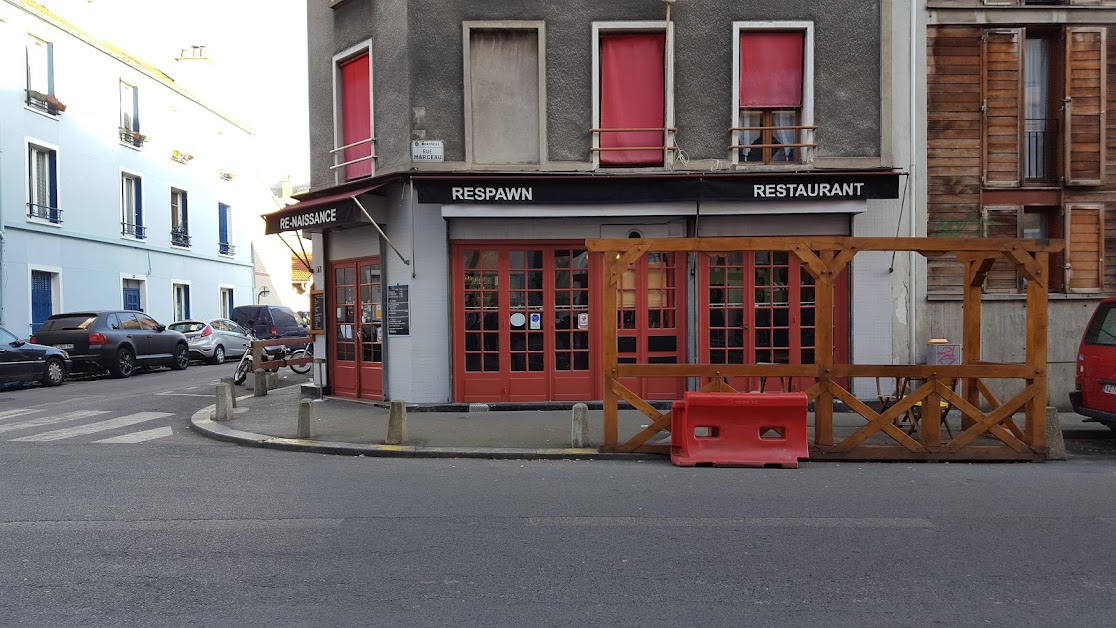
(572, 353)
(649, 322)
(527, 325)
(357, 331)
(343, 357)
(371, 336)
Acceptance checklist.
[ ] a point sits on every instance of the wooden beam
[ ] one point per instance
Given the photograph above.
(806, 255)
(823, 357)
(919, 371)
(876, 421)
(985, 423)
(820, 243)
(1037, 329)
(610, 403)
(1032, 270)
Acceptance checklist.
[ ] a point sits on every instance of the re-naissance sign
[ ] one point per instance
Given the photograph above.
(301, 221)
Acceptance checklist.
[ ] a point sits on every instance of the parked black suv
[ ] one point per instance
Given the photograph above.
(269, 321)
(116, 341)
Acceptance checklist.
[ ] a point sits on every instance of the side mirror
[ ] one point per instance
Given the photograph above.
(160, 328)
(17, 343)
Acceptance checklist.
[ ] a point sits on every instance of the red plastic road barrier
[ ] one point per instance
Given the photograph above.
(739, 430)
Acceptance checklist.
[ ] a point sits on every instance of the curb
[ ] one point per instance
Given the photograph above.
(201, 423)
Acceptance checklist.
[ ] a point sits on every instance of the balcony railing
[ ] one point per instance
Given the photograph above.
(135, 138)
(1039, 139)
(341, 168)
(224, 248)
(774, 151)
(136, 231)
(44, 212)
(44, 102)
(665, 133)
(180, 238)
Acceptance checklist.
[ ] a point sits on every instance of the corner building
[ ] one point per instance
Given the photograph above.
(466, 151)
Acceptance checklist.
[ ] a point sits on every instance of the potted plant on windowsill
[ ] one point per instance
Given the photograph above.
(54, 103)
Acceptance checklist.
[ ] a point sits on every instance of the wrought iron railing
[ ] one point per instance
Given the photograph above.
(135, 138)
(1038, 144)
(224, 248)
(339, 168)
(44, 102)
(44, 212)
(180, 238)
(136, 231)
(774, 151)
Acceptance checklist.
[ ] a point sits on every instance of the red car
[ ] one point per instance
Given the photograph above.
(1095, 390)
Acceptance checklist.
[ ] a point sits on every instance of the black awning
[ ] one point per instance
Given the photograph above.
(333, 210)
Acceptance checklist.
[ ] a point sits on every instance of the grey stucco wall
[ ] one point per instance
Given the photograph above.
(1003, 334)
(417, 65)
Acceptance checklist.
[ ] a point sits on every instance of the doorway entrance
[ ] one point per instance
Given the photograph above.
(356, 329)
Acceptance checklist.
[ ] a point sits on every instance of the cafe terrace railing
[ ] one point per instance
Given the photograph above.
(989, 428)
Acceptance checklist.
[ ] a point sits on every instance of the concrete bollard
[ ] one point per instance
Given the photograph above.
(397, 423)
(232, 387)
(1055, 443)
(579, 428)
(225, 399)
(272, 380)
(305, 418)
(259, 383)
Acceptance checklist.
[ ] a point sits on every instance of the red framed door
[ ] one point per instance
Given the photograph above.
(759, 308)
(522, 322)
(356, 335)
(651, 321)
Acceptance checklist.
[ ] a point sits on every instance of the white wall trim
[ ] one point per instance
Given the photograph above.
(339, 58)
(142, 279)
(539, 27)
(807, 75)
(56, 292)
(641, 26)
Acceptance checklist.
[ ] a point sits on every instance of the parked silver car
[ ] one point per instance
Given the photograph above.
(214, 340)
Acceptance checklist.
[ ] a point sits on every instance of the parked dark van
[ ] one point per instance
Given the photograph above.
(116, 341)
(269, 321)
(1095, 381)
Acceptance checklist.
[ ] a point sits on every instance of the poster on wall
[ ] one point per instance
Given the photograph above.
(317, 311)
(399, 310)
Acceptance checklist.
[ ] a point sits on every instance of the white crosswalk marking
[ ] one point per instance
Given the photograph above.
(138, 437)
(93, 428)
(50, 420)
(7, 414)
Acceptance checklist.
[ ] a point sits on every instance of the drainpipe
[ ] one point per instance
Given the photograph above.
(913, 180)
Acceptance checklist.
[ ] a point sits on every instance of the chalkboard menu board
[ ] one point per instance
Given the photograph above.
(317, 311)
(399, 310)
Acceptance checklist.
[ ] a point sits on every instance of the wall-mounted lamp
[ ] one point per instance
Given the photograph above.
(264, 291)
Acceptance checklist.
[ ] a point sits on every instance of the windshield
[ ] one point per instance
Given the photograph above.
(283, 317)
(187, 327)
(6, 337)
(72, 321)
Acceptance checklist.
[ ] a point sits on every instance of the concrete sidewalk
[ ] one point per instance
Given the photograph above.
(360, 428)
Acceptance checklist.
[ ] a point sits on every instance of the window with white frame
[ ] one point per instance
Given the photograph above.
(131, 206)
(40, 74)
(181, 301)
(505, 92)
(129, 115)
(180, 220)
(773, 100)
(42, 184)
(226, 302)
(633, 92)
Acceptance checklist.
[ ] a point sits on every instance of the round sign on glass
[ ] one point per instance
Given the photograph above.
(518, 319)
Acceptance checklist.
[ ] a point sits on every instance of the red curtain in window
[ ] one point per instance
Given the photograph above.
(771, 69)
(356, 116)
(632, 97)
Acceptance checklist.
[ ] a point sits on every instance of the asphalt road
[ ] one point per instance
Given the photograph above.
(183, 531)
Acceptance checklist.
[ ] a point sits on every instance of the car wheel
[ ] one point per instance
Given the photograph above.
(181, 358)
(125, 363)
(54, 373)
(218, 355)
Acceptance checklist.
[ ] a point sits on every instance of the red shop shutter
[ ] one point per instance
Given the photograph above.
(356, 116)
(771, 69)
(632, 97)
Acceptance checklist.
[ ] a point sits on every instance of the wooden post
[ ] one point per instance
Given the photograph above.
(976, 269)
(610, 401)
(823, 352)
(1037, 321)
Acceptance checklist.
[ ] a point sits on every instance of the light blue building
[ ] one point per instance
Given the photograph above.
(117, 187)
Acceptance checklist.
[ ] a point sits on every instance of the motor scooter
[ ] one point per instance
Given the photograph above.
(279, 352)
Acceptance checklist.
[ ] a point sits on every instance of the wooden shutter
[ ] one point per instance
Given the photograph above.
(1084, 247)
(1084, 122)
(1001, 222)
(1002, 91)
